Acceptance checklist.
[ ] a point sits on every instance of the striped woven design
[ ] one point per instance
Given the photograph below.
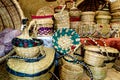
(10, 14)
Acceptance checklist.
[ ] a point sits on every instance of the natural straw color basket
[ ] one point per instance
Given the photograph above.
(88, 16)
(71, 72)
(99, 73)
(62, 19)
(28, 52)
(21, 70)
(10, 14)
(93, 58)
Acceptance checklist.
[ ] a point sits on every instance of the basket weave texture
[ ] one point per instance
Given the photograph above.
(10, 14)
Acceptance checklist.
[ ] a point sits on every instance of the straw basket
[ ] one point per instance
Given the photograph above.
(71, 72)
(105, 19)
(99, 73)
(25, 46)
(19, 69)
(87, 16)
(10, 14)
(62, 19)
(108, 52)
(115, 5)
(93, 58)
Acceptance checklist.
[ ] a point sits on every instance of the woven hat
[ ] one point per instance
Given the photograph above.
(20, 69)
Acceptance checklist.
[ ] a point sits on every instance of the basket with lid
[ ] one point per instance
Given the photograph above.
(25, 46)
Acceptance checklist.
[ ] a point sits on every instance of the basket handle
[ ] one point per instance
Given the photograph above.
(99, 46)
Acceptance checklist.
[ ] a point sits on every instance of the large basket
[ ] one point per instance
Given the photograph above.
(10, 14)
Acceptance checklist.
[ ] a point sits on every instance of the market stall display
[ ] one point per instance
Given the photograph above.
(76, 43)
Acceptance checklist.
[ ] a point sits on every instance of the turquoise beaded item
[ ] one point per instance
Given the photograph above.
(64, 39)
(26, 42)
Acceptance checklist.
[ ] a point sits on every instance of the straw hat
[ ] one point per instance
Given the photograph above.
(21, 70)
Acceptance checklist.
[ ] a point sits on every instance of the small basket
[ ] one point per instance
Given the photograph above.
(93, 58)
(71, 72)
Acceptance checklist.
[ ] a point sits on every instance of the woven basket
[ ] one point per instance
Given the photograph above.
(88, 16)
(62, 19)
(71, 72)
(10, 14)
(26, 46)
(93, 58)
(99, 73)
(19, 69)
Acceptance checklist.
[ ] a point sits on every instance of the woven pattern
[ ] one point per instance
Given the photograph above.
(10, 14)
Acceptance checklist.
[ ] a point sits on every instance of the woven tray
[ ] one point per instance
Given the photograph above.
(10, 14)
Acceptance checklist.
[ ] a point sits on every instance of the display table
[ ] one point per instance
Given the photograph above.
(112, 42)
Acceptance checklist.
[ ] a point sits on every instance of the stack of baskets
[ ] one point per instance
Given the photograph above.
(87, 23)
(75, 18)
(115, 22)
(95, 61)
(103, 18)
(99, 58)
(88, 17)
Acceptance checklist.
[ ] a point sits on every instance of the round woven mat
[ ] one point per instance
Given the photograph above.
(10, 14)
